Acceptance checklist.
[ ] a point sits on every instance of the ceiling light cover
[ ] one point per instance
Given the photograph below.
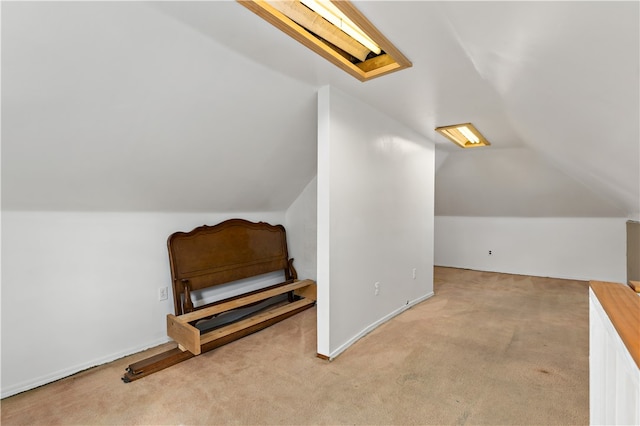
(464, 135)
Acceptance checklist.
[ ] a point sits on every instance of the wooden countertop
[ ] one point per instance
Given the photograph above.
(622, 305)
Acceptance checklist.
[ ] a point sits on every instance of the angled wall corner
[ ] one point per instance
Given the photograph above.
(324, 224)
(301, 224)
(375, 219)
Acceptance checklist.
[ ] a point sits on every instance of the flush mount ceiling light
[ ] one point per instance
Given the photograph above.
(464, 135)
(336, 31)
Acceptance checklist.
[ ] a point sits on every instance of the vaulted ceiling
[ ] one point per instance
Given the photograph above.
(202, 106)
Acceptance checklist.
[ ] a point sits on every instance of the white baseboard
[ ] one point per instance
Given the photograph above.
(376, 324)
(61, 374)
(524, 273)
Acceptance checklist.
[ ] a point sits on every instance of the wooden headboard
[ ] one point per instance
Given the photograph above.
(232, 250)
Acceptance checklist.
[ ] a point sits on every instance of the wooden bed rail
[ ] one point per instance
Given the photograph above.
(189, 337)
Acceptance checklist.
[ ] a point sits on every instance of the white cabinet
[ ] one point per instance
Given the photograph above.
(614, 375)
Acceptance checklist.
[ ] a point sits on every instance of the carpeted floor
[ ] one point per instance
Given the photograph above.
(488, 348)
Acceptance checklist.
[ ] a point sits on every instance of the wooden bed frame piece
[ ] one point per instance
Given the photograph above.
(179, 328)
(209, 256)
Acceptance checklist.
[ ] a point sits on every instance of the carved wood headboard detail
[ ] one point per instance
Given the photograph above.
(232, 250)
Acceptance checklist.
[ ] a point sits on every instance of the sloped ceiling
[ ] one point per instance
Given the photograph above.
(201, 106)
(118, 106)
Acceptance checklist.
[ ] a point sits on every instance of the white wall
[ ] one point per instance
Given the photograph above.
(80, 289)
(140, 107)
(575, 248)
(513, 182)
(301, 226)
(375, 219)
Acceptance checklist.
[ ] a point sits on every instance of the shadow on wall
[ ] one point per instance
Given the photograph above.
(633, 251)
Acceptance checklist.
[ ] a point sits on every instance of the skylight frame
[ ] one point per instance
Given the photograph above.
(391, 60)
(463, 142)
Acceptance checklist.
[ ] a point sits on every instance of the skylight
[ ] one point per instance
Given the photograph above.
(335, 30)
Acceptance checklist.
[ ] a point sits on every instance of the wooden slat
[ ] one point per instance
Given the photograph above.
(308, 292)
(635, 285)
(622, 306)
(307, 18)
(365, 25)
(242, 301)
(256, 319)
(155, 363)
(184, 333)
(376, 63)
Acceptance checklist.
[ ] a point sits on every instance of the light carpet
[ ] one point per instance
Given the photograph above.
(488, 348)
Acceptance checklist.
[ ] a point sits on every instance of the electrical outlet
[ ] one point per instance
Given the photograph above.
(376, 286)
(414, 273)
(163, 293)
(489, 252)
